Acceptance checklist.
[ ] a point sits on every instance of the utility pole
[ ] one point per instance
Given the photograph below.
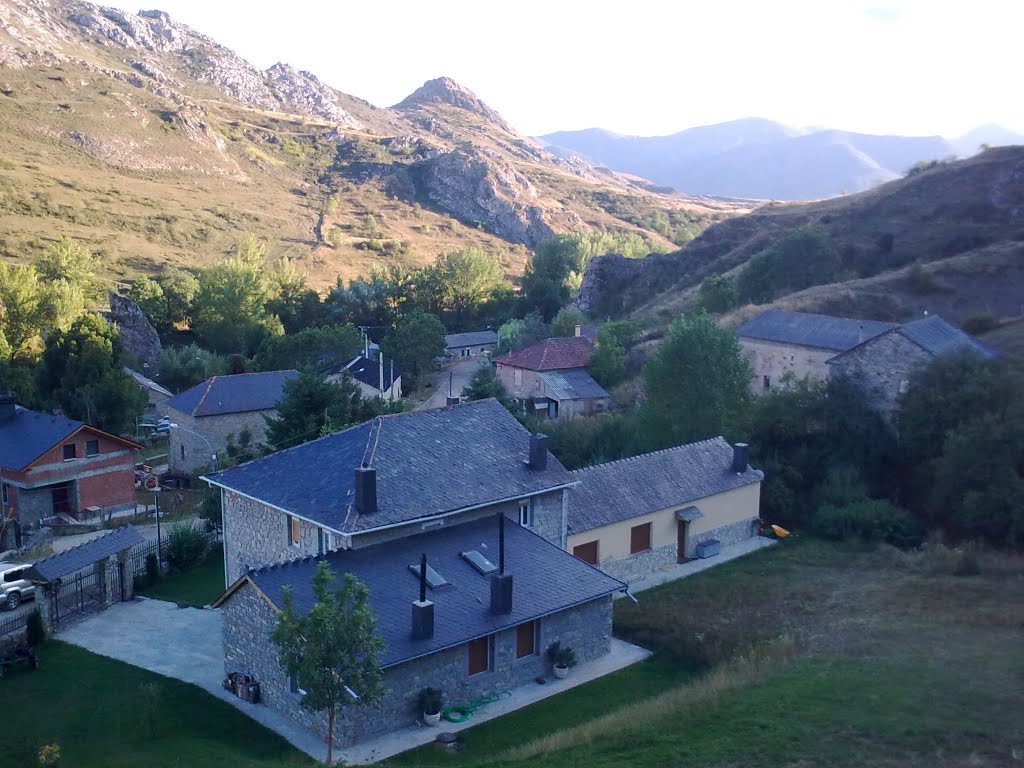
(159, 547)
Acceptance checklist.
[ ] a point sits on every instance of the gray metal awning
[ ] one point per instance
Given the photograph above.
(689, 514)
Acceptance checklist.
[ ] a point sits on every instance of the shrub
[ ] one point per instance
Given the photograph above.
(152, 569)
(869, 520)
(978, 324)
(186, 548)
(561, 655)
(35, 631)
(431, 701)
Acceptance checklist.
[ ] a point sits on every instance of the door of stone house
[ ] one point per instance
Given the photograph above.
(682, 534)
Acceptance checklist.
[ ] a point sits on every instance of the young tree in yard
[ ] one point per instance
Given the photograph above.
(484, 384)
(414, 344)
(311, 401)
(81, 371)
(332, 651)
(516, 334)
(698, 384)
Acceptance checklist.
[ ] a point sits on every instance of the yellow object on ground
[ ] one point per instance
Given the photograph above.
(780, 532)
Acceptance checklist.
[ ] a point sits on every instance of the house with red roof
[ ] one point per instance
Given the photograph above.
(550, 378)
(51, 466)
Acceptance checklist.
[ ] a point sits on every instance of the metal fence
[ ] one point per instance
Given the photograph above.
(139, 553)
(13, 624)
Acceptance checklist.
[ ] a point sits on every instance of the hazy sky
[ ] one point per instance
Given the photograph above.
(644, 67)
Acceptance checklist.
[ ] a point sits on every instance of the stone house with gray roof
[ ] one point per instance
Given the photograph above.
(470, 344)
(634, 516)
(220, 406)
(883, 364)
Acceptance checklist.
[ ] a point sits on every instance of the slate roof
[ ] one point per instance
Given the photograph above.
(546, 579)
(470, 339)
(937, 337)
(147, 383)
(368, 371)
(427, 462)
(84, 555)
(620, 490)
(551, 355)
(809, 330)
(240, 393)
(29, 434)
(573, 384)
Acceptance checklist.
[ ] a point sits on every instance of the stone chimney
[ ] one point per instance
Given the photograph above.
(501, 582)
(7, 407)
(422, 609)
(366, 490)
(538, 452)
(739, 458)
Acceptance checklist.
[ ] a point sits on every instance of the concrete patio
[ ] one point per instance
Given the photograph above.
(185, 644)
(682, 570)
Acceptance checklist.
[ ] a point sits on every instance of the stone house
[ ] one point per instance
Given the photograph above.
(220, 406)
(375, 375)
(550, 378)
(778, 342)
(50, 465)
(157, 396)
(633, 516)
(481, 629)
(882, 365)
(470, 344)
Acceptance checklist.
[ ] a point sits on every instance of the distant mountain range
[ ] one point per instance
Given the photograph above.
(762, 159)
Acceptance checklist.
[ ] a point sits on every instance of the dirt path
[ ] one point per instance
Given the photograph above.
(459, 374)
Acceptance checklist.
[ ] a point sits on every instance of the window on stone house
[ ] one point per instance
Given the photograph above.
(92, 447)
(479, 655)
(526, 639)
(526, 513)
(70, 451)
(294, 687)
(639, 538)
(293, 530)
(6, 494)
(183, 453)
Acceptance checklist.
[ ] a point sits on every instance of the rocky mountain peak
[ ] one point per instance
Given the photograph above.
(444, 90)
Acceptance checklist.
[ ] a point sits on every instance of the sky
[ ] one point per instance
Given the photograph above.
(912, 67)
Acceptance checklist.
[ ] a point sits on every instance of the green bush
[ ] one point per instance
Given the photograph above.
(869, 520)
(35, 631)
(187, 547)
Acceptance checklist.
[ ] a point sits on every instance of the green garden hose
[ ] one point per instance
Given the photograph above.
(462, 712)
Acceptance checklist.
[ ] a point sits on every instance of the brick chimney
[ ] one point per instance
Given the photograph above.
(7, 407)
(366, 490)
(739, 458)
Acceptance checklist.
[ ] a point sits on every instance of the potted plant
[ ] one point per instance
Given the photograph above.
(562, 657)
(431, 702)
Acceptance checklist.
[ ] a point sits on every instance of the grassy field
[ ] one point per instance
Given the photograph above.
(199, 587)
(104, 714)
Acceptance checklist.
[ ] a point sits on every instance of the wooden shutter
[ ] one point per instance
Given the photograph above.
(479, 653)
(639, 538)
(586, 552)
(526, 639)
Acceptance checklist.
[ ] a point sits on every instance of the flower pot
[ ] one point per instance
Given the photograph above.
(432, 719)
(560, 671)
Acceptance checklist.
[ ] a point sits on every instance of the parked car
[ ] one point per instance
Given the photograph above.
(14, 587)
(163, 426)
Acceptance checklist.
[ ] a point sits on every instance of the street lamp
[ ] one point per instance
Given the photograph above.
(206, 373)
(213, 453)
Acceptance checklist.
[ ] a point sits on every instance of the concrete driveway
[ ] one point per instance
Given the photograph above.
(182, 643)
(460, 373)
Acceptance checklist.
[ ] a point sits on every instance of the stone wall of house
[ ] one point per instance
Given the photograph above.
(882, 368)
(641, 564)
(256, 535)
(248, 620)
(775, 360)
(730, 534)
(216, 429)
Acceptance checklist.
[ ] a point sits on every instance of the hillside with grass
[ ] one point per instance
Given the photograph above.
(947, 238)
(154, 146)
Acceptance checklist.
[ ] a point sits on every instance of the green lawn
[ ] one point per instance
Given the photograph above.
(199, 586)
(105, 714)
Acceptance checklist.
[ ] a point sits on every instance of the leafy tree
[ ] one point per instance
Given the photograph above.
(311, 401)
(333, 650)
(240, 448)
(485, 383)
(624, 333)
(180, 289)
(23, 310)
(309, 348)
(468, 277)
(608, 362)
(149, 295)
(804, 258)
(293, 302)
(67, 261)
(377, 300)
(516, 334)
(698, 384)
(81, 370)
(184, 367)
(565, 322)
(414, 344)
(581, 442)
(718, 294)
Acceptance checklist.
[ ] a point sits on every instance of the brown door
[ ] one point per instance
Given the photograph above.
(681, 535)
(586, 552)
(479, 653)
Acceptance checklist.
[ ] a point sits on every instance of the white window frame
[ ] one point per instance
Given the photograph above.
(526, 512)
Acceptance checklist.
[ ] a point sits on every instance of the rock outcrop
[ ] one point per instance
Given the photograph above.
(613, 285)
(489, 192)
(138, 336)
(444, 90)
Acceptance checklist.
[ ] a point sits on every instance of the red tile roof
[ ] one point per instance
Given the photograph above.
(550, 355)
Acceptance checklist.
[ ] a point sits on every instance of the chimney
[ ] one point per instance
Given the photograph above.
(422, 609)
(739, 458)
(366, 490)
(538, 452)
(501, 582)
(380, 366)
(579, 330)
(7, 407)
